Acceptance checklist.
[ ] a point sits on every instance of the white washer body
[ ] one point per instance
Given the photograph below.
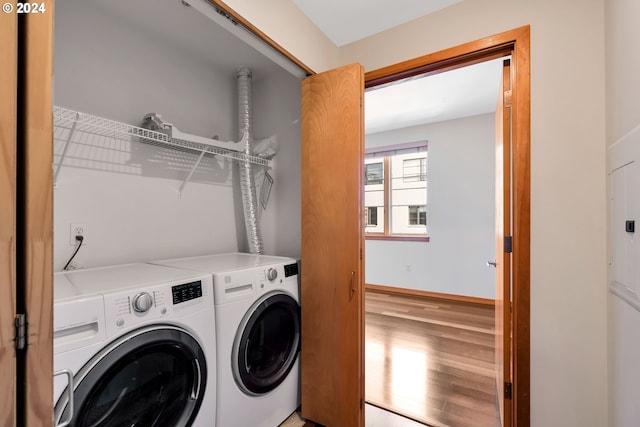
(165, 347)
(242, 283)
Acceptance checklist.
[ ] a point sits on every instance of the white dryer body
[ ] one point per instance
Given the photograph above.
(257, 336)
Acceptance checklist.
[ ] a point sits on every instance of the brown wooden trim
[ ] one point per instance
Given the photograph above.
(521, 158)
(439, 62)
(517, 43)
(428, 294)
(396, 237)
(255, 31)
(8, 123)
(36, 248)
(387, 194)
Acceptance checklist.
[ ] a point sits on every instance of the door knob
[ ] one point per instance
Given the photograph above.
(492, 263)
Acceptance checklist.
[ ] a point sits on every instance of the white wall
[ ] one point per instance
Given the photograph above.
(568, 203)
(127, 192)
(460, 213)
(277, 112)
(623, 118)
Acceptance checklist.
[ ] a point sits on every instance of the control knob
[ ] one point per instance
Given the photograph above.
(272, 274)
(142, 302)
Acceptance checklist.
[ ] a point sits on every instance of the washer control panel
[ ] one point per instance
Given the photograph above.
(130, 307)
(186, 292)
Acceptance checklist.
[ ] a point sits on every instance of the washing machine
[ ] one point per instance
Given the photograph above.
(134, 345)
(257, 310)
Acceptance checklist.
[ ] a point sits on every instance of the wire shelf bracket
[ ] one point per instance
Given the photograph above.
(64, 151)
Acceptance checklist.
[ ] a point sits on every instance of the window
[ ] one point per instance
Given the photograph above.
(417, 215)
(395, 193)
(373, 173)
(414, 170)
(371, 215)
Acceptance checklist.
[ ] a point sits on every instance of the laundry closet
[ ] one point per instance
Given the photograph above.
(139, 200)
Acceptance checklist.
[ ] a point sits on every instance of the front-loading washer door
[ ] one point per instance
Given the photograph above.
(155, 376)
(266, 344)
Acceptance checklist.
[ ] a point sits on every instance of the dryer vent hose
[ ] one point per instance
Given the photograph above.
(247, 180)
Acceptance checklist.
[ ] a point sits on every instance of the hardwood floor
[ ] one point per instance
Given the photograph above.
(431, 359)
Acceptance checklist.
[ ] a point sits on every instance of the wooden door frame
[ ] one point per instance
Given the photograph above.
(8, 145)
(517, 44)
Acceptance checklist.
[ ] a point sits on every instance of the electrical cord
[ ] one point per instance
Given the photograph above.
(79, 239)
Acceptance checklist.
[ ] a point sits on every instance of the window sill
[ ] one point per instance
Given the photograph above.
(397, 237)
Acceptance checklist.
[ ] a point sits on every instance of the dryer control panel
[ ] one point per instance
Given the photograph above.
(291, 269)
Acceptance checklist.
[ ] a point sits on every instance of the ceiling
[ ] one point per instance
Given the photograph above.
(346, 21)
(464, 92)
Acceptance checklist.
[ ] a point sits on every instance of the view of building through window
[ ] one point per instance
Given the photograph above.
(395, 194)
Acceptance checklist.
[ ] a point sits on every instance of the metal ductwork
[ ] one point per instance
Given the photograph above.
(247, 180)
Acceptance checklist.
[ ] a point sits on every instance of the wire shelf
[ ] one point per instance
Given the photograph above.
(76, 121)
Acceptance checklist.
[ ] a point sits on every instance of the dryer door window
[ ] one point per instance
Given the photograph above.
(152, 377)
(267, 346)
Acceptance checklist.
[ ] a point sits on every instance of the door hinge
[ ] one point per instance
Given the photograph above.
(21, 331)
(361, 403)
(507, 98)
(360, 254)
(508, 390)
(508, 244)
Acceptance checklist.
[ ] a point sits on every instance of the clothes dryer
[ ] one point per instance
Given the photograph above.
(138, 342)
(258, 336)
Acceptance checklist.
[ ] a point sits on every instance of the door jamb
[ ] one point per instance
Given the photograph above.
(516, 43)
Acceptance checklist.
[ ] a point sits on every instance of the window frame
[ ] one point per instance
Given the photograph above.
(386, 234)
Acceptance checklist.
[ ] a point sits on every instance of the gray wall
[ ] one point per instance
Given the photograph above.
(127, 192)
(460, 213)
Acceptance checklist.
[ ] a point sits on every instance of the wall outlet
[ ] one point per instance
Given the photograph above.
(78, 229)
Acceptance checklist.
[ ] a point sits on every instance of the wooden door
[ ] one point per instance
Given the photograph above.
(35, 250)
(503, 255)
(8, 123)
(332, 297)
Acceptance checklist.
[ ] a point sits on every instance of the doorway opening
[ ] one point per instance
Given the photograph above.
(430, 284)
(512, 288)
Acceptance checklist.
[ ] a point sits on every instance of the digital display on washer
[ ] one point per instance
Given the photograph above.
(186, 292)
(290, 270)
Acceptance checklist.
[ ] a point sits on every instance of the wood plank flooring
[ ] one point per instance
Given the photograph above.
(431, 359)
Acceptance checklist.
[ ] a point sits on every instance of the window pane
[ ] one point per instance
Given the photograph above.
(374, 196)
(417, 215)
(374, 219)
(371, 215)
(409, 193)
(414, 170)
(373, 173)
